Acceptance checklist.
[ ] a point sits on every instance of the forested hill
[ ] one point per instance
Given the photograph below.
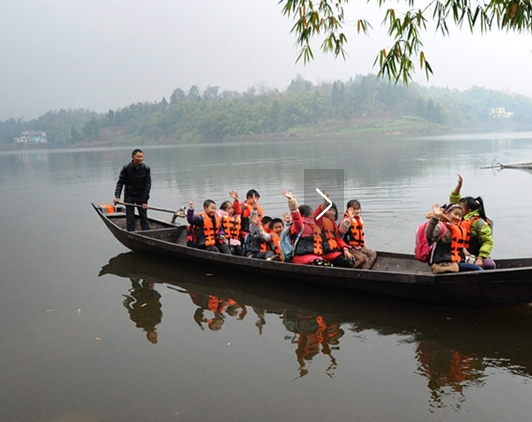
(361, 106)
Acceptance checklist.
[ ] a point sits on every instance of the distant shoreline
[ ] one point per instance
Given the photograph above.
(355, 129)
(361, 128)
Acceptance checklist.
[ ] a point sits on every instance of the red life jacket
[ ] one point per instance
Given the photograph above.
(310, 243)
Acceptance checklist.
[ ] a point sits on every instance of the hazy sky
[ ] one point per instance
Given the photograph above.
(106, 54)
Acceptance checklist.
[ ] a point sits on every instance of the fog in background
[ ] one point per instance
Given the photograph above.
(107, 54)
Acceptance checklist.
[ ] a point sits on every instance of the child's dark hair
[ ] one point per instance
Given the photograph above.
(251, 193)
(208, 202)
(353, 203)
(305, 210)
(335, 208)
(225, 205)
(277, 220)
(474, 204)
(266, 220)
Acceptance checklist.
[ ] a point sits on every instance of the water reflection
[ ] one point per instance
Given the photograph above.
(449, 372)
(313, 334)
(144, 307)
(216, 306)
(454, 350)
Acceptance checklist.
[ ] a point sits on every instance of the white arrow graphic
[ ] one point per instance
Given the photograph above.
(328, 200)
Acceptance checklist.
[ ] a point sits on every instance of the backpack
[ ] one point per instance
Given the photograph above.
(474, 241)
(245, 244)
(285, 244)
(423, 248)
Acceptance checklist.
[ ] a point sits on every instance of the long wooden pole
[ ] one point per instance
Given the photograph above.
(178, 213)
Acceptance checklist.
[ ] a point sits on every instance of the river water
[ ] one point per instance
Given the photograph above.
(93, 332)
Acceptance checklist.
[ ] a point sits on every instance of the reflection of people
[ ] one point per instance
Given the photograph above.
(217, 306)
(261, 321)
(135, 177)
(447, 370)
(144, 307)
(210, 303)
(313, 332)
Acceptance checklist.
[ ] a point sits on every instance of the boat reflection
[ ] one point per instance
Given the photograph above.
(454, 348)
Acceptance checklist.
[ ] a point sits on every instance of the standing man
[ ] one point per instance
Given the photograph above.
(136, 177)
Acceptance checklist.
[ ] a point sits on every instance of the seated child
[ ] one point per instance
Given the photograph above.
(251, 203)
(263, 242)
(352, 229)
(335, 249)
(449, 253)
(205, 228)
(277, 226)
(229, 214)
(309, 248)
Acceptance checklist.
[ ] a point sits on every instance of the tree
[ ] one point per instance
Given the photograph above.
(325, 18)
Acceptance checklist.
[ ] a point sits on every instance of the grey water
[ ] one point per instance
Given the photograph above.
(93, 332)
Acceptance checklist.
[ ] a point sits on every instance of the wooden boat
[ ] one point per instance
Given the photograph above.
(393, 275)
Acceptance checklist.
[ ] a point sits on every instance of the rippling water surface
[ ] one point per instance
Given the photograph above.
(92, 332)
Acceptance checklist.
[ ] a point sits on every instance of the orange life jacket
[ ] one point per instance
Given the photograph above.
(231, 226)
(210, 232)
(276, 239)
(472, 244)
(355, 234)
(246, 212)
(457, 242)
(273, 245)
(330, 233)
(215, 304)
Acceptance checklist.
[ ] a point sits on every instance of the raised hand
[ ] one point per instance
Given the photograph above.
(288, 194)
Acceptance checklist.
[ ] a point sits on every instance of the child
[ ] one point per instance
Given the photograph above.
(449, 252)
(309, 248)
(335, 249)
(277, 226)
(229, 215)
(264, 242)
(479, 236)
(352, 230)
(206, 228)
(251, 203)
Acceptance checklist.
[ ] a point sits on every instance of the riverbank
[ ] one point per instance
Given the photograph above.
(355, 128)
